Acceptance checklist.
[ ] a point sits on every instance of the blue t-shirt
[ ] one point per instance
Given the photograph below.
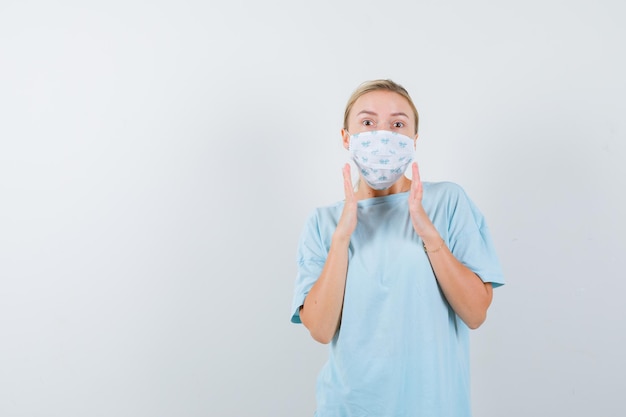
(400, 350)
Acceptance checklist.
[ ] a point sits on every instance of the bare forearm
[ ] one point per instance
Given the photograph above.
(466, 293)
(322, 308)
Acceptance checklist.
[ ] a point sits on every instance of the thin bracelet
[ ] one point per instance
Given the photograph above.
(443, 242)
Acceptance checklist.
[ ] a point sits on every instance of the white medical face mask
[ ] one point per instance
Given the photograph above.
(381, 156)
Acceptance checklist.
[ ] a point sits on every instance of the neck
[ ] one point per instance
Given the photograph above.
(365, 191)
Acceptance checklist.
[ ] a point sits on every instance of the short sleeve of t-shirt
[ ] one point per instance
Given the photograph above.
(468, 237)
(311, 257)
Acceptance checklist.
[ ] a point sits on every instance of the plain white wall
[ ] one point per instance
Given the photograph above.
(158, 160)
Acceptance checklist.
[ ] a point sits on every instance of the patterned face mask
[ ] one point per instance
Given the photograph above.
(381, 156)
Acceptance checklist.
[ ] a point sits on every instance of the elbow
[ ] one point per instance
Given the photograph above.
(321, 334)
(321, 337)
(473, 325)
(476, 321)
(479, 314)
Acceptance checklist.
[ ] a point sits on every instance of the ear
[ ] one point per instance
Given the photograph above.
(415, 141)
(345, 138)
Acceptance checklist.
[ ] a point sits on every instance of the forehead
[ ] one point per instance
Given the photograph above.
(382, 102)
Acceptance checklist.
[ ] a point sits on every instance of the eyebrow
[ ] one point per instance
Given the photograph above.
(376, 114)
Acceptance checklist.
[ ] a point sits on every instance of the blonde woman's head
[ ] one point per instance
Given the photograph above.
(379, 85)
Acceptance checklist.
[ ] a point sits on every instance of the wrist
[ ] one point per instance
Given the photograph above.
(431, 241)
(340, 239)
(430, 234)
(433, 248)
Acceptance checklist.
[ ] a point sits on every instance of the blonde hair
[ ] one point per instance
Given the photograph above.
(374, 85)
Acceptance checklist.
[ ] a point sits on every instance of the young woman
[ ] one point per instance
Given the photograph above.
(395, 275)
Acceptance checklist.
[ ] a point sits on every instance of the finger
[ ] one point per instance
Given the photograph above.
(415, 178)
(347, 182)
(416, 173)
(416, 184)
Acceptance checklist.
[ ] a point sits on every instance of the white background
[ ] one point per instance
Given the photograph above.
(158, 160)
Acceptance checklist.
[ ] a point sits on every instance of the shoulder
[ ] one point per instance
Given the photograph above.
(327, 211)
(450, 196)
(318, 230)
(444, 190)
(323, 216)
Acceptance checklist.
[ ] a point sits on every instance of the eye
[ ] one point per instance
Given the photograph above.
(367, 122)
(398, 124)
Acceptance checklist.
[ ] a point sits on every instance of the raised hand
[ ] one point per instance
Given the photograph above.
(348, 220)
(419, 218)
